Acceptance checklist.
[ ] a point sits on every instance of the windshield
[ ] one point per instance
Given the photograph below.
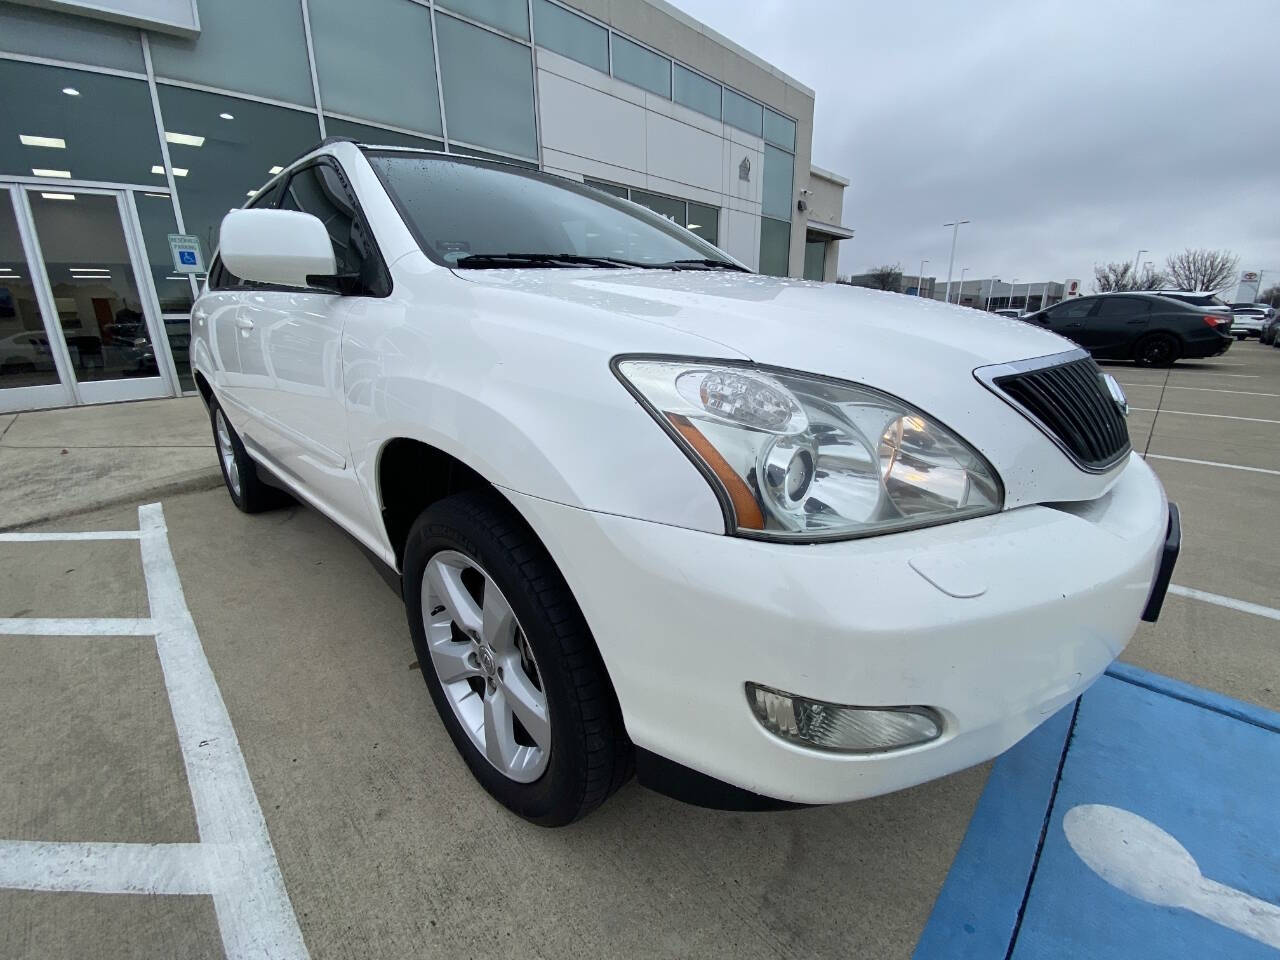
(471, 214)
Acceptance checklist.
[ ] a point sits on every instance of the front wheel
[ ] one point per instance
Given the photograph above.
(510, 663)
(239, 472)
(1156, 350)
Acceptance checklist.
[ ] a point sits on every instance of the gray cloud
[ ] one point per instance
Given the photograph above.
(1069, 132)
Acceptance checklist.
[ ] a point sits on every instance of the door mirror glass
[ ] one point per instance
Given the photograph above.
(284, 247)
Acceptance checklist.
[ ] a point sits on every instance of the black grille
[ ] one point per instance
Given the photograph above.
(1073, 405)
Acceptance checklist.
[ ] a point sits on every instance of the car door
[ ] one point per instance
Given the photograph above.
(1067, 318)
(1111, 329)
(292, 341)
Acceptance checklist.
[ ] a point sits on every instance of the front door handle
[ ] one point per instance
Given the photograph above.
(244, 323)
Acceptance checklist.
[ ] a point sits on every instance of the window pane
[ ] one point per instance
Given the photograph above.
(488, 88)
(704, 221)
(365, 133)
(98, 304)
(613, 188)
(696, 91)
(107, 130)
(1122, 306)
(25, 357)
(509, 15)
(237, 154)
(570, 35)
(775, 246)
(155, 213)
(398, 86)
(48, 34)
(668, 207)
(780, 130)
(244, 45)
(815, 259)
(742, 113)
(776, 191)
(459, 208)
(634, 64)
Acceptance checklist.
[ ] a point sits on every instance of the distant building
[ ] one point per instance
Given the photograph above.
(994, 294)
(907, 283)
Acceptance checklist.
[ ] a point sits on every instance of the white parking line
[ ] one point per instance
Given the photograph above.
(1211, 463)
(1244, 606)
(1170, 386)
(77, 627)
(88, 535)
(1216, 416)
(234, 860)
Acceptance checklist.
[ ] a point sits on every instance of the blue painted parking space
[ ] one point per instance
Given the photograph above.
(1142, 821)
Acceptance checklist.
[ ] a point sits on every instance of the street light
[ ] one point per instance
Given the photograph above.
(1013, 288)
(920, 280)
(991, 289)
(955, 230)
(1135, 263)
(960, 291)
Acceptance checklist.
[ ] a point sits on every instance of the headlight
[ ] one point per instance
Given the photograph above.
(800, 457)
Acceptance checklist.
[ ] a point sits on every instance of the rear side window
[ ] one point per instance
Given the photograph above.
(1122, 307)
(320, 190)
(1073, 309)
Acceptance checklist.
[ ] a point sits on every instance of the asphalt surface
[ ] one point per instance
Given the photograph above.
(386, 845)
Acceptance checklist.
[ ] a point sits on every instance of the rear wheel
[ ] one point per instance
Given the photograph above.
(239, 472)
(1156, 350)
(510, 663)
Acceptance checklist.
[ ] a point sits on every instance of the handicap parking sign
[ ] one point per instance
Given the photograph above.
(186, 253)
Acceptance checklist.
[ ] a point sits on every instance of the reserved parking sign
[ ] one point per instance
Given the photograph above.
(186, 253)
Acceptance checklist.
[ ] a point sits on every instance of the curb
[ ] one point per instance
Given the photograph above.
(192, 482)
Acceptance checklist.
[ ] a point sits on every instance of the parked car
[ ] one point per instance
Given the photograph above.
(1248, 318)
(770, 541)
(1270, 327)
(1151, 330)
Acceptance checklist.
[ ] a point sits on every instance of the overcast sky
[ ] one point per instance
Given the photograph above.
(1069, 132)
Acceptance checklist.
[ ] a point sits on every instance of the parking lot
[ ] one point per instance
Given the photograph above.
(385, 846)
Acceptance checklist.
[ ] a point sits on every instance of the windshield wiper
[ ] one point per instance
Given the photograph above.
(494, 260)
(700, 264)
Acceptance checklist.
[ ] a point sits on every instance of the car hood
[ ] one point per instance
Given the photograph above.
(920, 350)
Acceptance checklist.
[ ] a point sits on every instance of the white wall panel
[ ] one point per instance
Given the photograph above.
(685, 154)
(741, 237)
(579, 120)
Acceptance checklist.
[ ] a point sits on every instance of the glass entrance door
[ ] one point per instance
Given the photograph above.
(86, 302)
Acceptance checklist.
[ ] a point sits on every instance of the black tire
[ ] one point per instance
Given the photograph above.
(590, 755)
(249, 494)
(1157, 350)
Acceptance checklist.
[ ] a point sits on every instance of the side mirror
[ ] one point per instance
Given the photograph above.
(282, 247)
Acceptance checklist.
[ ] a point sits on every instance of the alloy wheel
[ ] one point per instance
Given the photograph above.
(227, 452)
(485, 666)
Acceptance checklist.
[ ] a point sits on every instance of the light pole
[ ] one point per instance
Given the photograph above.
(1135, 264)
(960, 289)
(920, 280)
(1013, 288)
(991, 289)
(955, 230)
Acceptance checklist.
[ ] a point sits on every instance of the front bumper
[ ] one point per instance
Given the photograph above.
(995, 622)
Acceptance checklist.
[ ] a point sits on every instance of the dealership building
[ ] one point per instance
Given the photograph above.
(129, 127)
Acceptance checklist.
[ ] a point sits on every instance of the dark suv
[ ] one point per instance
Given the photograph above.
(1151, 330)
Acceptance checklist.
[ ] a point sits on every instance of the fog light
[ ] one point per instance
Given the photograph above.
(844, 729)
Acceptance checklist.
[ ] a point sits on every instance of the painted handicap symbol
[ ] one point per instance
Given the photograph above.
(1134, 855)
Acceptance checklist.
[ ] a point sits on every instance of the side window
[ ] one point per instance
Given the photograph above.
(1073, 309)
(320, 191)
(267, 198)
(1113, 307)
(220, 278)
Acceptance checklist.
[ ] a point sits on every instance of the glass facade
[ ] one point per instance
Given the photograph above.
(178, 130)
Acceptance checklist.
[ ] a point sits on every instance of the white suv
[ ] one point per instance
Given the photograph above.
(765, 541)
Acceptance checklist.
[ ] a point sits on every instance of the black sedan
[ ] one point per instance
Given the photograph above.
(1151, 330)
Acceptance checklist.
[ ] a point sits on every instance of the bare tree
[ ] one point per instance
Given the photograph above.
(1150, 279)
(1202, 269)
(885, 277)
(1114, 278)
